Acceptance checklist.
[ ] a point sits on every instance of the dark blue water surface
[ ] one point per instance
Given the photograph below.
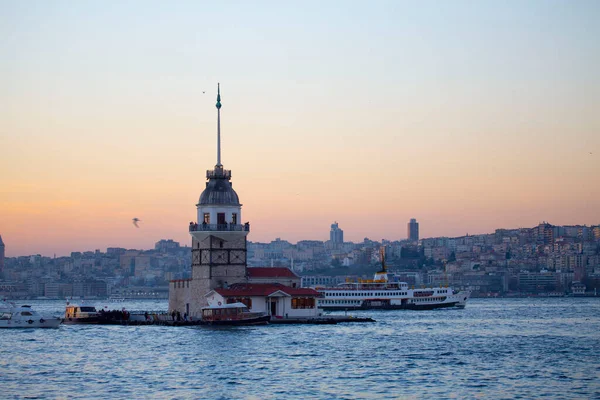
(495, 348)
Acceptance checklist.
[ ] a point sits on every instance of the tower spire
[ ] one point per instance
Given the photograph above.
(219, 125)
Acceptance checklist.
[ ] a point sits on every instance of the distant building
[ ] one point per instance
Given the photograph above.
(546, 233)
(336, 235)
(166, 245)
(1, 255)
(578, 289)
(115, 251)
(537, 281)
(596, 232)
(322, 280)
(412, 231)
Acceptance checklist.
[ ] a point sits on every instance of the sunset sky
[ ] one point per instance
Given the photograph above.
(468, 116)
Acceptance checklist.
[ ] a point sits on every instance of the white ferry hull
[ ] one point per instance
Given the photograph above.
(391, 307)
(454, 300)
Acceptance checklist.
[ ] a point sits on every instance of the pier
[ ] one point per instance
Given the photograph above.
(139, 318)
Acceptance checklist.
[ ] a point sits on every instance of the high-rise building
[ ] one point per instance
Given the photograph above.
(412, 231)
(1, 255)
(336, 235)
(546, 233)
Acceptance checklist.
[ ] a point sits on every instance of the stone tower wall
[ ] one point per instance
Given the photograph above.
(217, 262)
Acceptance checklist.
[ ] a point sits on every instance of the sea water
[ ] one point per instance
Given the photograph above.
(494, 348)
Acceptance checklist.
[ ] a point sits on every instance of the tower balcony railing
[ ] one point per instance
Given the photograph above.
(218, 173)
(219, 227)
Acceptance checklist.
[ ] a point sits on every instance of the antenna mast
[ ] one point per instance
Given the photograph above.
(218, 125)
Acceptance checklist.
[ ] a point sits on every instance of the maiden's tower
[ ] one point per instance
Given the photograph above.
(218, 240)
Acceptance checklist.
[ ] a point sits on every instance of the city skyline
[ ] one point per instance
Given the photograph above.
(371, 118)
(295, 242)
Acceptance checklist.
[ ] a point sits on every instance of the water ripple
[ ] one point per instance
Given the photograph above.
(496, 348)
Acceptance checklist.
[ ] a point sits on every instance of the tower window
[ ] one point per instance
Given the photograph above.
(234, 218)
(206, 218)
(221, 218)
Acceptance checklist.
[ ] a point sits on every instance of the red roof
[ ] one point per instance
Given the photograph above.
(270, 272)
(264, 289)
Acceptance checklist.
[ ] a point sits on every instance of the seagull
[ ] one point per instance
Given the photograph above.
(135, 221)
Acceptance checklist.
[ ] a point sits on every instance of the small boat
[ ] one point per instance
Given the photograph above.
(78, 314)
(13, 316)
(233, 314)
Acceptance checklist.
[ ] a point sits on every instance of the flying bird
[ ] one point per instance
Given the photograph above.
(135, 221)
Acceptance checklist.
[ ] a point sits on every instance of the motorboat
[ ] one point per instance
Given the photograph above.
(13, 316)
(233, 314)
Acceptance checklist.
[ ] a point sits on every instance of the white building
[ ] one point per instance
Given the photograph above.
(277, 300)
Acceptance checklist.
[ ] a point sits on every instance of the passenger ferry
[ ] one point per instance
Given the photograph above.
(384, 293)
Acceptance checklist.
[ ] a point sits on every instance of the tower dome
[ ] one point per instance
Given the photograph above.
(218, 189)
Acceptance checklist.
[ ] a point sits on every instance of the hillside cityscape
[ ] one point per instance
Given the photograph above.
(545, 260)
